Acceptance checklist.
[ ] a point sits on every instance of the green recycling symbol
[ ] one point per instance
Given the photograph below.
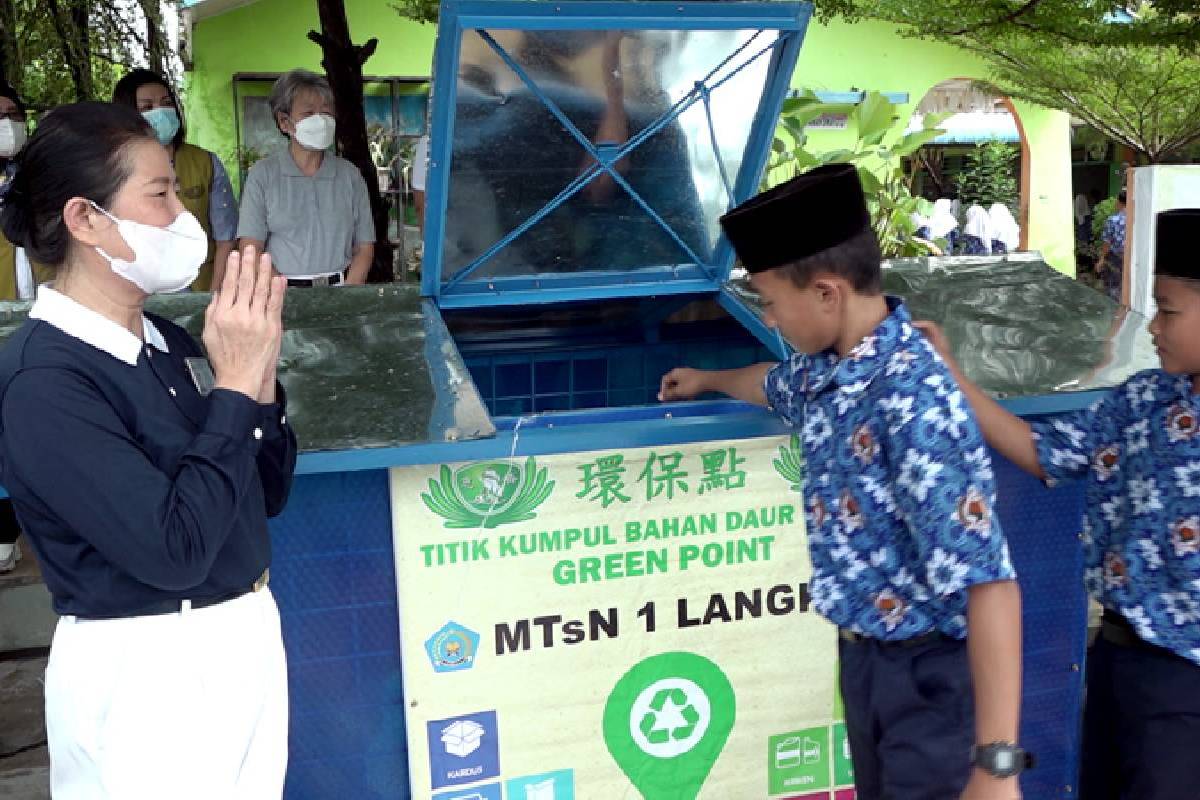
(666, 722)
(657, 733)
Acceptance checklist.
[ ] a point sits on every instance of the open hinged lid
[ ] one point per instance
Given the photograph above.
(586, 150)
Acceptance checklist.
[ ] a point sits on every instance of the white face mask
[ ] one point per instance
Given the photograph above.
(164, 259)
(316, 132)
(12, 137)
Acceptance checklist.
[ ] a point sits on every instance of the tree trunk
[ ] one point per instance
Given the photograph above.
(71, 25)
(343, 62)
(156, 46)
(10, 54)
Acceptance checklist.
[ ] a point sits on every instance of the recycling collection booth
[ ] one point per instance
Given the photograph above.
(505, 570)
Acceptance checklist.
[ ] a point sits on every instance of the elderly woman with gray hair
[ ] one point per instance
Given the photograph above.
(305, 206)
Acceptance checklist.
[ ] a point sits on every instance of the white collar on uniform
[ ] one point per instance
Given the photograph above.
(91, 328)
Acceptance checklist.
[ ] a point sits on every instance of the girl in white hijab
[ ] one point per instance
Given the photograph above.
(943, 225)
(1006, 233)
(977, 233)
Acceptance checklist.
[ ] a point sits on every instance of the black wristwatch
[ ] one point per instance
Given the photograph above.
(1001, 759)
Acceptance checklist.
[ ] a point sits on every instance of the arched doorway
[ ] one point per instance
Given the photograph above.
(977, 116)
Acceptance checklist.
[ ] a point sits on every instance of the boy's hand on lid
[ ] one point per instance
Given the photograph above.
(681, 383)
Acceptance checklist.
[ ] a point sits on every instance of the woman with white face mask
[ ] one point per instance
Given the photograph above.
(304, 205)
(143, 468)
(204, 186)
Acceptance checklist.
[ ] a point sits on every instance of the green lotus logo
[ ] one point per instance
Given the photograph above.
(488, 494)
(790, 464)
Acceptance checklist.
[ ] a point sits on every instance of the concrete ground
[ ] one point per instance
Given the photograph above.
(25, 627)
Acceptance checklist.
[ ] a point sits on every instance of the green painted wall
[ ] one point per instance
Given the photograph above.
(269, 36)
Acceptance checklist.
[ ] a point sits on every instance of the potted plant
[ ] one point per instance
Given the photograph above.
(382, 143)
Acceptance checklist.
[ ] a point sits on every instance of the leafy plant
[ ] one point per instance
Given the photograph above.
(1100, 214)
(383, 144)
(988, 177)
(879, 152)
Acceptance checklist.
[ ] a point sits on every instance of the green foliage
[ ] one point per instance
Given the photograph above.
(1143, 97)
(1154, 24)
(42, 34)
(1100, 214)
(417, 10)
(879, 152)
(1129, 70)
(988, 176)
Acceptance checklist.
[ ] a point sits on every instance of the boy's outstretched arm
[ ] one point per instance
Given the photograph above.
(994, 650)
(1003, 430)
(746, 384)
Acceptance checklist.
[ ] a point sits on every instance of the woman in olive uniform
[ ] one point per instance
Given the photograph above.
(204, 186)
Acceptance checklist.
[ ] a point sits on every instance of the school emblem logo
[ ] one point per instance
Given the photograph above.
(488, 494)
(790, 464)
(452, 648)
(1185, 536)
(1181, 423)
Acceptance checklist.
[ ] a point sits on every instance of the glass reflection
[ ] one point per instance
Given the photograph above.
(512, 156)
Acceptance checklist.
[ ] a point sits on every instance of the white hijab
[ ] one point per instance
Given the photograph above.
(1004, 227)
(1081, 208)
(942, 221)
(979, 225)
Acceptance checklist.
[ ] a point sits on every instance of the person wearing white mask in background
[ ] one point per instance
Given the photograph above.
(304, 205)
(1006, 233)
(204, 186)
(19, 277)
(18, 280)
(977, 233)
(943, 225)
(143, 468)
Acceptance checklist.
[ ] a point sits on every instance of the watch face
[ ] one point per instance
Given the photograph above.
(1000, 760)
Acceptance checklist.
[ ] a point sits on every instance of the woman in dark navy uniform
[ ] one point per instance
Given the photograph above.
(144, 488)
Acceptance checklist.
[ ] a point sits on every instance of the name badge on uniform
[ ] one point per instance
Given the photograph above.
(202, 374)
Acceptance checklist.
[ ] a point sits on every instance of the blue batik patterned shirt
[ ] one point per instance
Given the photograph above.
(1114, 233)
(1139, 449)
(900, 491)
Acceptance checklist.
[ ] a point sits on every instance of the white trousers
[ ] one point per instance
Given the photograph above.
(185, 706)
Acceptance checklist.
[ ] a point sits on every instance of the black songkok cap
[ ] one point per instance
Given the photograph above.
(1175, 253)
(805, 216)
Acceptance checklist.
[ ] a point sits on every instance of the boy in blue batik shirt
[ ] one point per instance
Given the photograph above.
(1138, 448)
(907, 554)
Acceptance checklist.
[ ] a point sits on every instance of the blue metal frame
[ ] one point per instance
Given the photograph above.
(644, 426)
(771, 338)
(584, 431)
(565, 288)
(458, 16)
(762, 133)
